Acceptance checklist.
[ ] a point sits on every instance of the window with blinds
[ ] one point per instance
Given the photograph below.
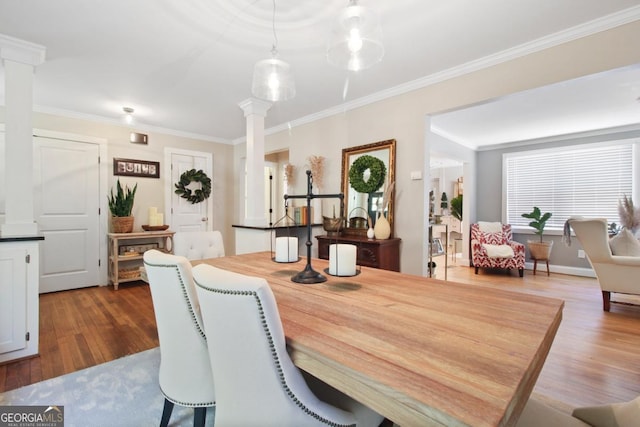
(578, 180)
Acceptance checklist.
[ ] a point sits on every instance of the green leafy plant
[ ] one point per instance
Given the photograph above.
(456, 207)
(539, 220)
(121, 204)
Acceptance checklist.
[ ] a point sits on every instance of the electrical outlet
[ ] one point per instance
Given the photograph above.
(580, 253)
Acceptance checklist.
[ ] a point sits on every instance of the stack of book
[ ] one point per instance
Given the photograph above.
(301, 214)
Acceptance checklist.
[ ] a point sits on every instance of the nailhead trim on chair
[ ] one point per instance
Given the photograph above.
(186, 297)
(274, 354)
(197, 326)
(187, 404)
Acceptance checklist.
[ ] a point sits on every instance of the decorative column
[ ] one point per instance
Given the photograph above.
(255, 111)
(19, 59)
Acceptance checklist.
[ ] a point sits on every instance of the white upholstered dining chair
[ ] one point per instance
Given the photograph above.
(185, 371)
(257, 383)
(195, 245)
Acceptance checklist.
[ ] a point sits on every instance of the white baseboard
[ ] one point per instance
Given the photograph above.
(562, 269)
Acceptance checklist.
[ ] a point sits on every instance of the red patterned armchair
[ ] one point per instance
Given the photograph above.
(492, 247)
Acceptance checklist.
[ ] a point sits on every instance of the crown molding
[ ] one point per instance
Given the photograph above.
(589, 28)
(13, 49)
(139, 126)
(619, 132)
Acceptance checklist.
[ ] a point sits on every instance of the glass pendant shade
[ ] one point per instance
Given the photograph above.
(273, 81)
(356, 39)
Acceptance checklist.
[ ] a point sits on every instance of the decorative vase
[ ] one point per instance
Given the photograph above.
(371, 233)
(382, 229)
(122, 224)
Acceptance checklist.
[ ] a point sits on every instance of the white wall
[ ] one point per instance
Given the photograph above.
(403, 118)
(150, 191)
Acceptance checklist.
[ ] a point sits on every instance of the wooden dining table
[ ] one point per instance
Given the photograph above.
(418, 351)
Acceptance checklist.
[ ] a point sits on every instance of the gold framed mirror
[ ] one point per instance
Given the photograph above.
(357, 203)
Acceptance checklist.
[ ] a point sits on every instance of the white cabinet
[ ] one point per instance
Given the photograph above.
(18, 297)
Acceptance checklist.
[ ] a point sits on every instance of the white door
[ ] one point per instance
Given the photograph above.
(184, 215)
(66, 207)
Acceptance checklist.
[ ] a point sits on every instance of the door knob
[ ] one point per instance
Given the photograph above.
(205, 219)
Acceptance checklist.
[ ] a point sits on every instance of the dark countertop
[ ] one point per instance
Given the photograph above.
(265, 228)
(4, 239)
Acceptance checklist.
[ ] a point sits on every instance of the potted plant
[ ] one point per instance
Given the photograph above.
(444, 203)
(456, 207)
(539, 250)
(121, 205)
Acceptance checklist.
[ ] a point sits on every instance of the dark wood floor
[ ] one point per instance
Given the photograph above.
(86, 327)
(594, 359)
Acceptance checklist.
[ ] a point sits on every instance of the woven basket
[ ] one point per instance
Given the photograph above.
(128, 274)
(122, 224)
(540, 250)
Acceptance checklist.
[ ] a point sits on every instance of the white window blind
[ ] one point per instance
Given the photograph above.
(577, 180)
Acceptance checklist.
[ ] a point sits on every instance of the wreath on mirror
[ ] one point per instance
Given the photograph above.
(377, 174)
(198, 195)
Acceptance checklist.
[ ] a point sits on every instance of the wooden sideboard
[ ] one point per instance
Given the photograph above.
(384, 254)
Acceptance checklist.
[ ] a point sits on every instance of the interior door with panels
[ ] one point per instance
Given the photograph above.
(66, 204)
(184, 215)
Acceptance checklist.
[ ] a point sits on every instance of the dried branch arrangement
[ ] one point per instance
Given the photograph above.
(289, 169)
(316, 165)
(388, 191)
(629, 215)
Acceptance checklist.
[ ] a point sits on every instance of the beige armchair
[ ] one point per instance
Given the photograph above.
(615, 273)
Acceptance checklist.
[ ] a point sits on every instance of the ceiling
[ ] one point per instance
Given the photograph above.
(185, 66)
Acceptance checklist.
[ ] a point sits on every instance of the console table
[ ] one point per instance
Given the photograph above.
(126, 251)
(384, 254)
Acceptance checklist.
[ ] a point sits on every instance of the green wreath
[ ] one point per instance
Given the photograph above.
(378, 172)
(198, 195)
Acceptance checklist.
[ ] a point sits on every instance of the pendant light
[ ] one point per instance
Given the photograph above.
(356, 39)
(272, 78)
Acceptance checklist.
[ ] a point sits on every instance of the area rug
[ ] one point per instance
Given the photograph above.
(122, 393)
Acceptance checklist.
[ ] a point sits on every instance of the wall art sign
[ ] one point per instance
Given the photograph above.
(141, 168)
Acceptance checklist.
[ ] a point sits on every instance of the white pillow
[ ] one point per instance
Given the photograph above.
(498, 251)
(625, 244)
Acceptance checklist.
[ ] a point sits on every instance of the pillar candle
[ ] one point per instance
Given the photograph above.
(159, 219)
(152, 211)
(286, 249)
(342, 260)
